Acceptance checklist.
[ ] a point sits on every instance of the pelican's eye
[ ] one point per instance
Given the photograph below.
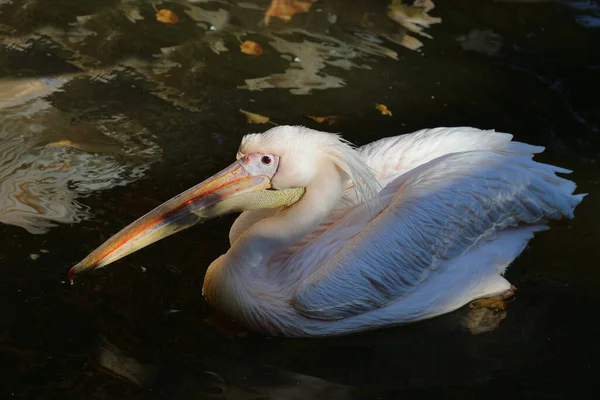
(266, 160)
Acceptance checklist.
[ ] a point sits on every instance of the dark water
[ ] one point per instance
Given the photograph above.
(106, 112)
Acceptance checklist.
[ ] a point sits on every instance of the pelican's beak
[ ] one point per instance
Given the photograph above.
(226, 192)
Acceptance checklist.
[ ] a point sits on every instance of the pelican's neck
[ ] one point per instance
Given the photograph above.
(238, 282)
(275, 233)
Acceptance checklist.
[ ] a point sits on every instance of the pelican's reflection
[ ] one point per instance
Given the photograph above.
(111, 359)
(185, 378)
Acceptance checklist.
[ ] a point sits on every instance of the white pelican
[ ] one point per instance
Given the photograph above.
(335, 240)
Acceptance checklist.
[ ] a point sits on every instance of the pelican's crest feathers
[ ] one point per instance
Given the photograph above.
(298, 139)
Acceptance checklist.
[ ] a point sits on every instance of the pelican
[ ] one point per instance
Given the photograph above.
(334, 239)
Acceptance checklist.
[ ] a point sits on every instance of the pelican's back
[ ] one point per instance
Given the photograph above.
(450, 196)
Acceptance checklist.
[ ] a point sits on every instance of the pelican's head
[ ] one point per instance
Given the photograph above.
(272, 170)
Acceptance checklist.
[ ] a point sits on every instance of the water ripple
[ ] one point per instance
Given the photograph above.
(48, 163)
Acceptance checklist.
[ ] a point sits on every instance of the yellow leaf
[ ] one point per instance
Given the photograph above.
(61, 143)
(330, 119)
(252, 48)
(255, 118)
(167, 17)
(383, 109)
(285, 9)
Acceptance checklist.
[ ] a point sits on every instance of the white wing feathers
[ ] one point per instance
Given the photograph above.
(391, 157)
(438, 211)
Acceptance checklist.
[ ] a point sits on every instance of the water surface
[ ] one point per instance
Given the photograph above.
(106, 112)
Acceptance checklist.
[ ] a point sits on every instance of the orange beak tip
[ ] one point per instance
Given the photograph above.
(72, 275)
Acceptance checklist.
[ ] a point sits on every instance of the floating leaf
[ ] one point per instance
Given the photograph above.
(383, 109)
(286, 9)
(330, 119)
(61, 143)
(252, 48)
(167, 17)
(255, 118)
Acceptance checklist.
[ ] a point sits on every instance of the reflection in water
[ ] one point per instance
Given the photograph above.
(327, 34)
(592, 18)
(192, 379)
(114, 361)
(305, 71)
(14, 92)
(415, 17)
(483, 320)
(482, 41)
(591, 7)
(48, 162)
